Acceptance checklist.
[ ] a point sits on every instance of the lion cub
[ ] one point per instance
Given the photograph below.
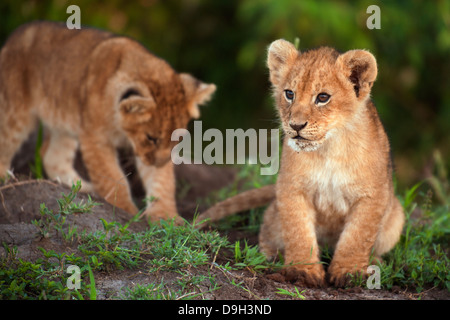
(96, 91)
(335, 182)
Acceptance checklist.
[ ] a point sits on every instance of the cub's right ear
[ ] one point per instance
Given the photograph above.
(281, 55)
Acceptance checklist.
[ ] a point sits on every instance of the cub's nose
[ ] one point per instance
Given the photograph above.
(297, 127)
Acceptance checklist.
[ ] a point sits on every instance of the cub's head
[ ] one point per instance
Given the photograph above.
(154, 103)
(318, 92)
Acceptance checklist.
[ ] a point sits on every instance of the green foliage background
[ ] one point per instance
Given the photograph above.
(225, 41)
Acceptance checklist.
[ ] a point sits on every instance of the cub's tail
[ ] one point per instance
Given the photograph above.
(244, 201)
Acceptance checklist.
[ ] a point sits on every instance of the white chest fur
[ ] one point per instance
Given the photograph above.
(331, 187)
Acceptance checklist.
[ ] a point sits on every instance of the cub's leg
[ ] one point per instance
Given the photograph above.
(356, 241)
(296, 215)
(270, 235)
(16, 123)
(392, 226)
(58, 153)
(107, 178)
(159, 183)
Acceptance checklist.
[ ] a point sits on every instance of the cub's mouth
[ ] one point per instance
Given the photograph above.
(299, 137)
(299, 143)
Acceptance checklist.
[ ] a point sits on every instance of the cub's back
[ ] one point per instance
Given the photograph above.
(44, 64)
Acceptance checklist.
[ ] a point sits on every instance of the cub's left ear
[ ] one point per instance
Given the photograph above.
(360, 68)
(197, 93)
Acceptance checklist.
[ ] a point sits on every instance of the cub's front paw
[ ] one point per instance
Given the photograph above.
(305, 275)
(340, 275)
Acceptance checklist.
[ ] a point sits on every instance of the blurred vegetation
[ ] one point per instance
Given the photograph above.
(225, 41)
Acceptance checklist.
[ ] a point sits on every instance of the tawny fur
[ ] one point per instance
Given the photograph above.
(335, 182)
(97, 92)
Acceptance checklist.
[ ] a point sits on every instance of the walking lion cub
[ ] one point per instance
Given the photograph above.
(96, 91)
(335, 182)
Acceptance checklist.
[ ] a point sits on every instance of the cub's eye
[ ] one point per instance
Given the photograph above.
(289, 95)
(151, 139)
(322, 98)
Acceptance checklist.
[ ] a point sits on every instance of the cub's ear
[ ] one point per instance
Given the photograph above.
(197, 93)
(281, 55)
(360, 68)
(135, 110)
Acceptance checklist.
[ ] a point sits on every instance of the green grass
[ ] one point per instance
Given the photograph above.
(249, 257)
(43, 279)
(51, 221)
(293, 294)
(185, 288)
(420, 259)
(161, 247)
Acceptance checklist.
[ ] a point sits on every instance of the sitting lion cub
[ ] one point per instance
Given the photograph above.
(96, 91)
(335, 182)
